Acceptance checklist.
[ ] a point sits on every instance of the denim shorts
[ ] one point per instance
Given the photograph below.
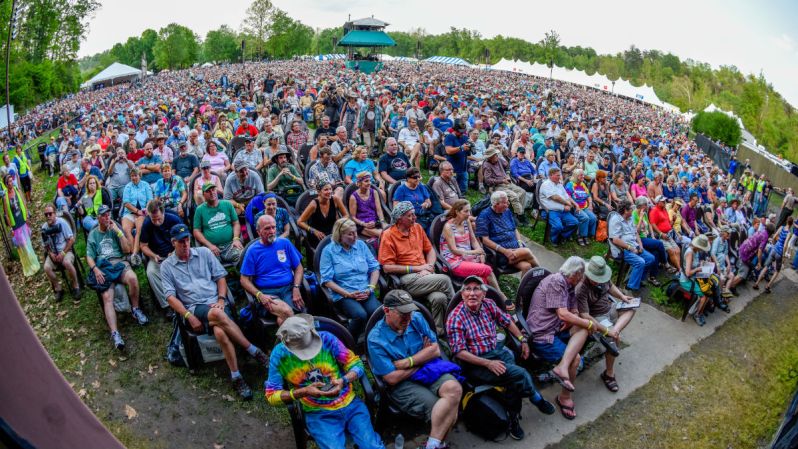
(553, 352)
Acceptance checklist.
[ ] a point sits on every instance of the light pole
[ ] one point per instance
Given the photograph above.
(12, 34)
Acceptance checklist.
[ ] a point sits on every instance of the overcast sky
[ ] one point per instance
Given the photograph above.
(754, 36)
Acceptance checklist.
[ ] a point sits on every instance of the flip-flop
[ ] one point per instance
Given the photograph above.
(565, 383)
(565, 408)
(609, 382)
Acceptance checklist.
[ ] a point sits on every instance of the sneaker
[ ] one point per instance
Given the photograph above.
(59, 295)
(482, 189)
(135, 260)
(76, 293)
(119, 343)
(262, 358)
(138, 314)
(516, 432)
(699, 319)
(544, 406)
(241, 387)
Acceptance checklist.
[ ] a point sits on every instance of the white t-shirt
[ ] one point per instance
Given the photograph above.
(549, 189)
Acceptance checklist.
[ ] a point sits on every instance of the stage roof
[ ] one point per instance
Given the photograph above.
(362, 38)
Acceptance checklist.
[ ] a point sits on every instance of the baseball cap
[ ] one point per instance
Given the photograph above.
(399, 300)
(103, 210)
(179, 231)
(208, 186)
(205, 164)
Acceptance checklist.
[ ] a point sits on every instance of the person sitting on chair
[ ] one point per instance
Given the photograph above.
(280, 215)
(156, 244)
(406, 251)
(497, 180)
(471, 328)
(241, 187)
(416, 193)
(58, 239)
(561, 208)
(497, 230)
(135, 198)
(398, 346)
(171, 191)
(365, 205)
(307, 363)
(326, 171)
(625, 243)
(558, 333)
(595, 304)
(283, 178)
(216, 226)
(272, 272)
(195, 286)
(350, 271)
(107, 242)
(319, 216)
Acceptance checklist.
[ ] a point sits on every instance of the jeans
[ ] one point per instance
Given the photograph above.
(639, 263)
(89, 222)
(562, 223)
(795, 261)
(462, 182)
(587, 222)
(358, 312)
(657, 248)
(330, 428)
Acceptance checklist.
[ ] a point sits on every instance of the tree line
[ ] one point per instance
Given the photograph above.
(44, 66)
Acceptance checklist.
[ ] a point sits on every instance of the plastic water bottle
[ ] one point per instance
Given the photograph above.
(399, 442)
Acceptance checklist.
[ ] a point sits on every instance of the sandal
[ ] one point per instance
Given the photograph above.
(653, 281)
(767, 290)
(565, 408)
(565, 383)
(755, 287)
(609, 382)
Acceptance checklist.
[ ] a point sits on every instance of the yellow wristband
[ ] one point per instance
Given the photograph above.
(291, 393)
(257, 296)
(606, 331)
(372, 286)
(590, 325)
(411, 361)
(186, 315)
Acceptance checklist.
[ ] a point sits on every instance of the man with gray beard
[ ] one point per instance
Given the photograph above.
(272, 272)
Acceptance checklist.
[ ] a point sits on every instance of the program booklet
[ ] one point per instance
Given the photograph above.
(633, 304)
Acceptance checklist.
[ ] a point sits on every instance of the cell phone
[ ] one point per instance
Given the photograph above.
(327, 387)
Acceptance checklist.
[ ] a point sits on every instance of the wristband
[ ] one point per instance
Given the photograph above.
(590, 325)
(411, 361)
(291, 394)
(372, 287)
(407, 267)
(257, 296)
(186, 315)
(606, 331)
(236, 239)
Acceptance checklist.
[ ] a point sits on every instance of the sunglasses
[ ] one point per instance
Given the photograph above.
(414, 177)
(49, 214)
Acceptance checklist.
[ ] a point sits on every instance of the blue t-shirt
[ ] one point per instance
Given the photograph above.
(158, 238)
(442, 124)
(498, 227)
(153, 177)
(271, 266)
(459, 159)
(353, 167)
(395, 166)
(417, 196)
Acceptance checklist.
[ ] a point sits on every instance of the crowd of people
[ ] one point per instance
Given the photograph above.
(209, 175)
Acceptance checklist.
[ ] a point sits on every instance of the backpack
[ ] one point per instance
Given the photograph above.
(484, 413)
(173, 355)
(480, 205)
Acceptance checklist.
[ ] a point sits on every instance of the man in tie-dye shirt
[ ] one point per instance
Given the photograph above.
(317, 370)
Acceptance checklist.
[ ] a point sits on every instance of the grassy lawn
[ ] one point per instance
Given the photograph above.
(729, 391)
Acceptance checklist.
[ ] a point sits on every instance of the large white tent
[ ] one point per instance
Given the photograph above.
(113, 74)
(622, 87)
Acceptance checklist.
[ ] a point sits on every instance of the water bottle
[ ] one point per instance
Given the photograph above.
(399, 442)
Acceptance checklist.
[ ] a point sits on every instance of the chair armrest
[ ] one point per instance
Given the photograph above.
(368, 390)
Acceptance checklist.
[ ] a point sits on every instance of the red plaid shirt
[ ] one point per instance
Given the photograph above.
(295, 140)
(475, 332)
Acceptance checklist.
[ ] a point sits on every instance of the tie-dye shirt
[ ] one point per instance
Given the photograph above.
(331, 363)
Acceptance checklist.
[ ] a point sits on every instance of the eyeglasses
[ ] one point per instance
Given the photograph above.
(414, 177)
(472, 289)
(49, 214)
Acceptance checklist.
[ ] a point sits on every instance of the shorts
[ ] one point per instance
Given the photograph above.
(25, 181)
(773, 257)
(669, 244)
(417, 400)
(553, 352)
(131, 217)
(743, 269)
(50, 264)
(201, 312)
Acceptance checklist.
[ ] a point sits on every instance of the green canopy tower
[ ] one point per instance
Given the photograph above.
(362, 38)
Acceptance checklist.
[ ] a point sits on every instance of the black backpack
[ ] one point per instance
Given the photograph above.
(480, 205)
(485, 414)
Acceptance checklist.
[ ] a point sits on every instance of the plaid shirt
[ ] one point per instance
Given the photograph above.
(295, 140)
(475, 332)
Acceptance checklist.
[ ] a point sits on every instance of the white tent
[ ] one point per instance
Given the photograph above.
(448, 60)
(329, 57)
(113, 74)
(384, 57)
(405, 59)
(207, 64)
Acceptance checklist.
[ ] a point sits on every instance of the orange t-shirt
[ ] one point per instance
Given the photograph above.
(399, 249)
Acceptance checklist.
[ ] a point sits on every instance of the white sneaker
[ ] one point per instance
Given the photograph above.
(140, 317)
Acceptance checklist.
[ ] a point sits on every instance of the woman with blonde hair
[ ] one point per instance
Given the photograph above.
(349, 269)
